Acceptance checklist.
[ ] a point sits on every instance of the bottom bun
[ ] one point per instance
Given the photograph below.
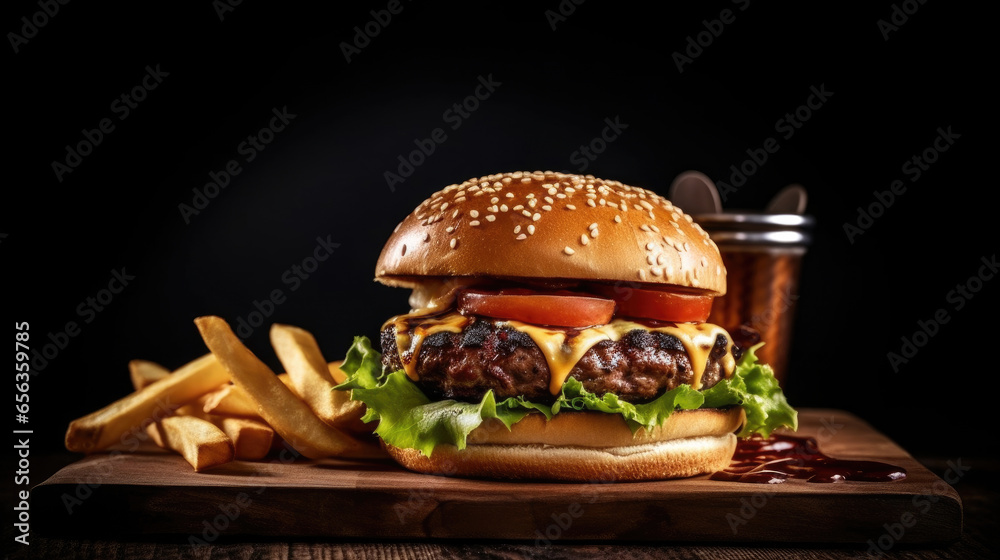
(587, 446)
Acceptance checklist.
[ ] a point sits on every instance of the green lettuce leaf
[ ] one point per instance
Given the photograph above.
(574, 397)
(754, 387)
(409, 419)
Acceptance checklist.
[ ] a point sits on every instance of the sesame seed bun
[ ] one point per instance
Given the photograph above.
(546, 225)
(586, 446)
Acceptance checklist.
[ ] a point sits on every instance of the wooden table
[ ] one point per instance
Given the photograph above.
(979, 538)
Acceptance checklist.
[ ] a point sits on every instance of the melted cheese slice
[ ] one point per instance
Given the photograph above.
(411, 340)
(563, 348)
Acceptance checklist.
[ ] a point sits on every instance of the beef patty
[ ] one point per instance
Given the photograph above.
(485, 356)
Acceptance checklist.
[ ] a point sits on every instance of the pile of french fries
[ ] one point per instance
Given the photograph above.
(229, 405)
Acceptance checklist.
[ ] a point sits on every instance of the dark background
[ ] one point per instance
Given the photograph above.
(323, 176)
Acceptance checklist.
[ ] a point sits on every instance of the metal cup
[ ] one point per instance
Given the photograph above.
(762, 253)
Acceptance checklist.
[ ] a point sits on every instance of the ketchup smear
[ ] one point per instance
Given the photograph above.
(775, 460)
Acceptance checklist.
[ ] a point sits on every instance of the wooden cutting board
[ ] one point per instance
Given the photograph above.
(154, 492)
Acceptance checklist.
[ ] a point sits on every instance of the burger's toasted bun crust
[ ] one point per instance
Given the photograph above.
(588, 446)
(551, 225)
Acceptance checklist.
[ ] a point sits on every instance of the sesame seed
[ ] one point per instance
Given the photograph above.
(490, 217)
(546, 207)
(594, 232)
(450, 229)
(503, 208)
(526, 213)
(618, 219)
(650, 259)
(592, 226)
(453, 243)
(474, 213)
(460, 199)
(519, 207)
(644, 227)
(517, 229)
(444, 206)
(645, 205)
(650, 246)
(651, 226)
(584, 239)
(642, 274)
(526, 180)
(570, 207)
(531, 229)
(656, 271)
(509, 195)
(494, 200)
(493, 208)
(522, 237)
(535, 217)
(549, 199)
(660, 258)
(591, 203)
(474, 223)
(568, 250)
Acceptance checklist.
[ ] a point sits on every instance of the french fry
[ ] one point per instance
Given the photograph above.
(338, 374)
(311, 376)
(200, 442)
(252, 439)
(232, 400)
(144, 373)
(107, 426)
(290, 417)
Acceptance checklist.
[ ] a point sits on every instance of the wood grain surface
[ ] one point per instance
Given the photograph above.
(151, 493)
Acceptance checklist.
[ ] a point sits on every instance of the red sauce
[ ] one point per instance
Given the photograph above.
(775, 460)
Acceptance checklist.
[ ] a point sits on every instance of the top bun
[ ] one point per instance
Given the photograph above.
(546, 225)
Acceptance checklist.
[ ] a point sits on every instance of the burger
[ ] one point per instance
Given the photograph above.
(557, 330)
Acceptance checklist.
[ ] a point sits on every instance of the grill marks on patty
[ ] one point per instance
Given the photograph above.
(464, 366)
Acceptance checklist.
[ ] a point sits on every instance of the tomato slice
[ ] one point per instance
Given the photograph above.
(662, 305)
(566, 309)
